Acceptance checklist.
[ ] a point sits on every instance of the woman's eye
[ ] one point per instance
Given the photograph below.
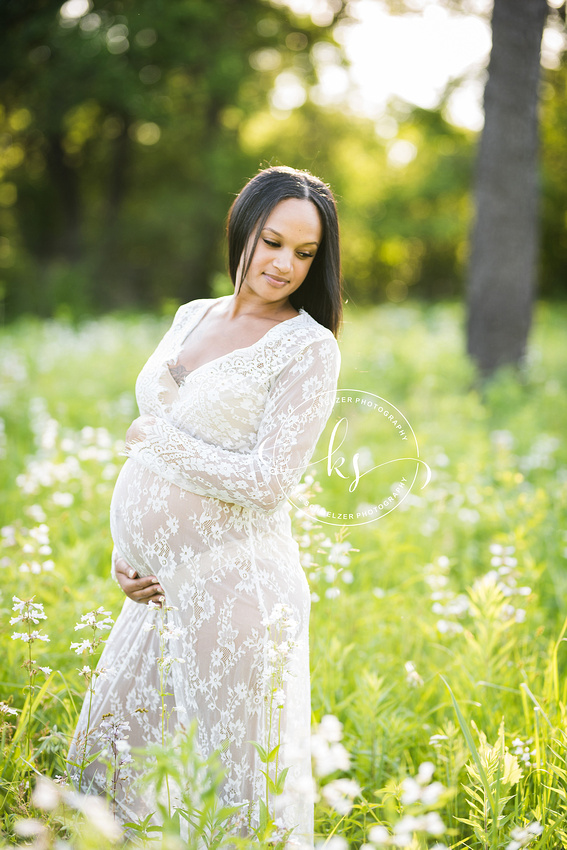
(304, 255)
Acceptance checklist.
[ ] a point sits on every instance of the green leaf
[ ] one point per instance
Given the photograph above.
(261, 752)
(280, 781)
(264, 816)
(473, 750)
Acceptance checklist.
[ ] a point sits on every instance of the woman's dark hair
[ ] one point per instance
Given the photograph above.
(320, 292)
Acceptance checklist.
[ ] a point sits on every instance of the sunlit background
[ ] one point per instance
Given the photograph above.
(126, 129)
(412, 57)
(125, 132)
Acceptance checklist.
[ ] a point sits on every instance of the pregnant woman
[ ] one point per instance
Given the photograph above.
(232, 404)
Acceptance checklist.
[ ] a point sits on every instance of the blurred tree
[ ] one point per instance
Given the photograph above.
(502, 277)
(504, 244)
(118, 135)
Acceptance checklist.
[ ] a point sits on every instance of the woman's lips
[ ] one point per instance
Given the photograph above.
(275, 281)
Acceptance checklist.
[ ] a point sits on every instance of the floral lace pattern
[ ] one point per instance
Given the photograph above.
(201, 503)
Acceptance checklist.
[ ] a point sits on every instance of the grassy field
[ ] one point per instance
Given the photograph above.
(437, 630)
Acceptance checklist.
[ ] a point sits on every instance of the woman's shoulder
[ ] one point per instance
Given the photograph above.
(304, 340)
(195, 305)
(306, 329)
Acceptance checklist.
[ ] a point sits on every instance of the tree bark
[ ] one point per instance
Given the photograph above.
(502, 271)
(66, 180)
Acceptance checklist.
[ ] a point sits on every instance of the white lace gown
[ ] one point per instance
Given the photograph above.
(201, 503)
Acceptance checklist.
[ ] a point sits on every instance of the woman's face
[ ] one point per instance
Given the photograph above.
(287, 245)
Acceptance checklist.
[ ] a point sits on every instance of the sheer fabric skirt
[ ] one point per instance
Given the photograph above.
(232, 646)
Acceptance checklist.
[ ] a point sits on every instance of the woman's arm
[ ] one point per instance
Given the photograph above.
(297, 410)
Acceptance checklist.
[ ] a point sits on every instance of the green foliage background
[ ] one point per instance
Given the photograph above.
(125, 134)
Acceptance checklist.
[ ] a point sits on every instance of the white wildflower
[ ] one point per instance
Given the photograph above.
(279, 697)
(29, 638)
(27, 610)
(36, 513)
(328, 758)
(46, 795)
(170, 632)
(523, 835)
(83, 646)
(433, 824)
(436, 739)
(379, 835)
(425, 772)
(99, 619)
(447, 627)
(111, 731)
(335, 842)
(29, 828)
(418, 790)
(412, 676)
(330, 728)
(96, 811)
(62, 500)
(411, 791)
(431, 793)
(340, 794)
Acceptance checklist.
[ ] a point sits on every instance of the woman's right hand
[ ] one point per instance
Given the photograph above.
(143, 590)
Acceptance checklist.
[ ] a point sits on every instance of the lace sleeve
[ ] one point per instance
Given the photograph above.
(297, 409)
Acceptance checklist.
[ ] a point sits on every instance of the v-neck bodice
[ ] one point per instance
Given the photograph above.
(223, 400)
(198, 318)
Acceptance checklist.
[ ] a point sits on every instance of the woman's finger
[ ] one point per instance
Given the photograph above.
(124, 567)
(146, 590)
(140, 590)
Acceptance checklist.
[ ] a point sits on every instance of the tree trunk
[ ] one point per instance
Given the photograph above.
(109, 272)
(502, 273)
(66, 180)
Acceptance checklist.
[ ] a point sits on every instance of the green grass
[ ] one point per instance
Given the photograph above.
(418, 636)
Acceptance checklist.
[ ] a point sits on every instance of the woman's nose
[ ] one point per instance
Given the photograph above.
(282, 261)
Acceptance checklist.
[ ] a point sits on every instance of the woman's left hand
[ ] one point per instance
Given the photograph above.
(139, 589)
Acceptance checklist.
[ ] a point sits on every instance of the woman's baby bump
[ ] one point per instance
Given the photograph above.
(156, 525)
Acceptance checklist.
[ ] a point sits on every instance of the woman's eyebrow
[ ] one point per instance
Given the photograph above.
(281, 237)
